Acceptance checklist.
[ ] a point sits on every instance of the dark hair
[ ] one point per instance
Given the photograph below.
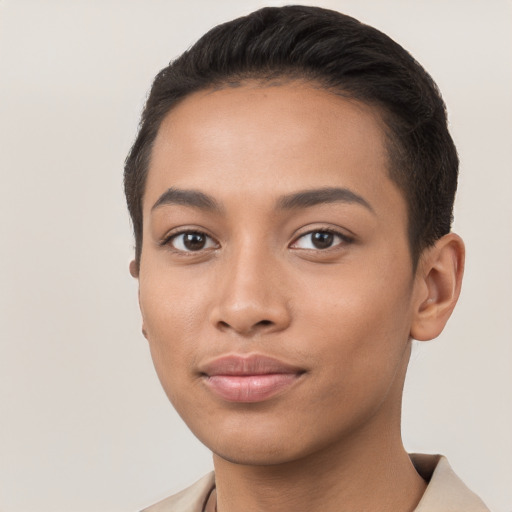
(340, 54)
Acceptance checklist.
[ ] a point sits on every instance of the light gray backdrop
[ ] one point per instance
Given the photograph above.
(84, 425)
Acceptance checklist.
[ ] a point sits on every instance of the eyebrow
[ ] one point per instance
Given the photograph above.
(313, 197)
(297, 200)
(192, 198)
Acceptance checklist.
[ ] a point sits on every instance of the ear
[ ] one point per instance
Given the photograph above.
(134, 269)
(437, 286)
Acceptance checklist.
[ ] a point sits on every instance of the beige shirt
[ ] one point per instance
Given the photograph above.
(445, 491)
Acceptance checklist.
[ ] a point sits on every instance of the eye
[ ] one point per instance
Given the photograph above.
(191, 241)
(320, 240)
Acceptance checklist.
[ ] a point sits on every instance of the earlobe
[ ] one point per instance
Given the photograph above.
(134, 269)
(438, 284)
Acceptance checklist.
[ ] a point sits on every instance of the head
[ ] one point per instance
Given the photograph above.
(291, 190)
(331, 51)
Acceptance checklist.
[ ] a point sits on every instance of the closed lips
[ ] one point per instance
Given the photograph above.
(248, 379)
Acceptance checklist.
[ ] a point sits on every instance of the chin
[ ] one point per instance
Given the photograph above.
(263, 445)
(257, 455)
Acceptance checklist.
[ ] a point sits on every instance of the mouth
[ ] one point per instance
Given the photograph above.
(249, 379)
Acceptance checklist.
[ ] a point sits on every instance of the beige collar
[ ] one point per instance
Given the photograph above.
(445, 492)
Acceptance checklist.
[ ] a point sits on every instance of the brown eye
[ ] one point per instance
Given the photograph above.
(191, 241)
(321, 240)
(194, 241)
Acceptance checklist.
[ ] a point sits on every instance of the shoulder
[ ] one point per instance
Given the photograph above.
(191, 499)
(446, 492)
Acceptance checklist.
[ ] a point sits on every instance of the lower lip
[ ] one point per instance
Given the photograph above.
(250, 388)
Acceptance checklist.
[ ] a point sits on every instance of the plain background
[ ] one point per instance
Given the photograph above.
(84, 425)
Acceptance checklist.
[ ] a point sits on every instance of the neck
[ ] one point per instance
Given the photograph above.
(338, 479)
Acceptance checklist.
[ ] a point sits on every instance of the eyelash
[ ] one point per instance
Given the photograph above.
(344, 239)
(167, 241)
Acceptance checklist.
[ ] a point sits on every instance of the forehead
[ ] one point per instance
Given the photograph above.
(257, 140)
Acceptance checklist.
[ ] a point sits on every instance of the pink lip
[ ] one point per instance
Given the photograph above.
(253, 378)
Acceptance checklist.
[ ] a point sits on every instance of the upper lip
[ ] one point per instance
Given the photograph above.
(253, 364)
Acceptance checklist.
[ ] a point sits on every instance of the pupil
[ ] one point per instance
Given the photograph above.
(322, 239)
(194, 241)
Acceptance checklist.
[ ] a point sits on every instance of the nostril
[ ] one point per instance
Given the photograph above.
(223, 325)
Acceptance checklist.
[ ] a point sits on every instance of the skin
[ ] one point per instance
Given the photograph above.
(344, 315)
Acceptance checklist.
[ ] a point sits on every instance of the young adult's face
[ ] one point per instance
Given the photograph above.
(275, 243)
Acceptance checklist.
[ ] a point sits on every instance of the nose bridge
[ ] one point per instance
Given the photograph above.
(250, 292)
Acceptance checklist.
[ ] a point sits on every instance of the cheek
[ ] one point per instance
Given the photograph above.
(170, 303)
(359, 351)
(361, 326)
(172, 321)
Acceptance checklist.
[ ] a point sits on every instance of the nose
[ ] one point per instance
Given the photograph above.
(251, 297)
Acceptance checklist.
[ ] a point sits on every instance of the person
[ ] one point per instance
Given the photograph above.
(291, 190)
